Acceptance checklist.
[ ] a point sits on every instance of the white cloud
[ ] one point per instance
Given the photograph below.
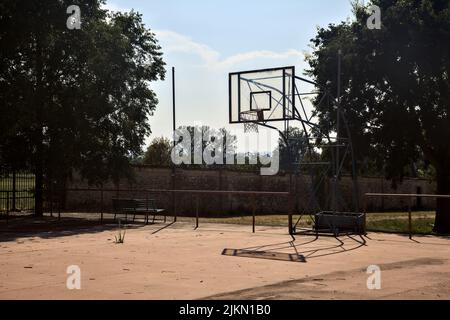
(265, 54)
(174, 42)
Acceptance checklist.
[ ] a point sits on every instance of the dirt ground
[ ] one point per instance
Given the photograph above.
(219, 262)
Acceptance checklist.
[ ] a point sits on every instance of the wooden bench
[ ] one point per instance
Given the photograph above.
(137, 207)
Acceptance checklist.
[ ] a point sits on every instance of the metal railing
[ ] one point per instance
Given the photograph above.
(404, 195)
(197, 193)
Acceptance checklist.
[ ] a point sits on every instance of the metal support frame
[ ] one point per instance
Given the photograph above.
(341, 146)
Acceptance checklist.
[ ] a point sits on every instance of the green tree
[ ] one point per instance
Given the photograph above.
(296, 152)
(158, 152)
(395, 87)
(74, 99)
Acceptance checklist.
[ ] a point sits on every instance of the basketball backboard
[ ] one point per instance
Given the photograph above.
(262, 95)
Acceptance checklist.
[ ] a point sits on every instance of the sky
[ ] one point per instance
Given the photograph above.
(205, 40)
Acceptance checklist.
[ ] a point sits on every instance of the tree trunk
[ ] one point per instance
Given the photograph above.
(442, 222)
(39, 156)
(39, 182)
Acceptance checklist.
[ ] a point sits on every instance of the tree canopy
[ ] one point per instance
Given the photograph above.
(158, 153)
(395, 87)
(74, 99)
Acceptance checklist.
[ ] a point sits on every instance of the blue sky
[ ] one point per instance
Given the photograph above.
(205, 40)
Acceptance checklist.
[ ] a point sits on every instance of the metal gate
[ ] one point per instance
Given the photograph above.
(16, 191)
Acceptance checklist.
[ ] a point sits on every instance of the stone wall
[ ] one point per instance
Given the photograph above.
(216, 205)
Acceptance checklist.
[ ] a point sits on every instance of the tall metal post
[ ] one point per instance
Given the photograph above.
(173, 103)
(174, 142)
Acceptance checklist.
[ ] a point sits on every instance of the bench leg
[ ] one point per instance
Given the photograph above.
(154, 219)
(134, 217)
(115, 216)
(146, 219)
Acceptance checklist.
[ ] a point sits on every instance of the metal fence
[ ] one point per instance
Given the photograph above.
(198, 197)
(16, 191)
(410, 229)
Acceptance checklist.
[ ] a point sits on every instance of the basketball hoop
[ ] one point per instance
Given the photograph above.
(250, 118)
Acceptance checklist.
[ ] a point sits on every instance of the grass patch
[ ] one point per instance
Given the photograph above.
(422, 221)
(262, 220)
(419, 226)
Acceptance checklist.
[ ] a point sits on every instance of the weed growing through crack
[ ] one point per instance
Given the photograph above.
(120, 237)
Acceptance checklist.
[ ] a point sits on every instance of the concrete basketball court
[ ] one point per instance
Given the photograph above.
(179, 262)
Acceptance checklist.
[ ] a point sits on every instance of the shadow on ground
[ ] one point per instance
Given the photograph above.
(299, 251)
(21, 226)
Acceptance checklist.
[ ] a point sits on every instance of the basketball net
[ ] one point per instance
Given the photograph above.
(249, 118)
(251, 127)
